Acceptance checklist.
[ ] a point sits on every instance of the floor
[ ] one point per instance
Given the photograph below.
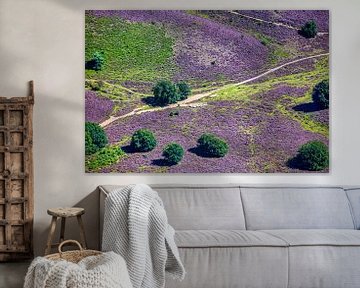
(12, 274)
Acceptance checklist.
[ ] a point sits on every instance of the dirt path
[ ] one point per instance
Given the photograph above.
(196, 97)
(272, 23)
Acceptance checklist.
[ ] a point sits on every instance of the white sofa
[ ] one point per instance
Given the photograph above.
(263, 237)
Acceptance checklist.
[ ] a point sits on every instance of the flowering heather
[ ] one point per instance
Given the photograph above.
(322, 116)
(298, 18)
(295, 18)
(294, 43)
(300, 67)
(97, 108)
(260, 138)
(205, 49)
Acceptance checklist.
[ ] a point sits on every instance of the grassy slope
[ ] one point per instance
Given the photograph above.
(137, 52)
(133, 51)
(252, 92)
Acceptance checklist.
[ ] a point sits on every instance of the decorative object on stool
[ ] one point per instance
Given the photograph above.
(16, 177)
(64, 213)
(81, 269)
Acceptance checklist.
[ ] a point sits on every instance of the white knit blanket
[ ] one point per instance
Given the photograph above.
(103, 271)
(136, 227)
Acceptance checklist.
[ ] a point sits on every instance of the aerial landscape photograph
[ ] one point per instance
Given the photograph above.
(207, 91)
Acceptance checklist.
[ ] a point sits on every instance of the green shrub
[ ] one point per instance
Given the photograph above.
(309, 30)
(95, 138)
(212, 146)
(321, 94)
(165, 93)
(105, 157)
(95, 85)
(173, 153)
(183, 90)
(312, 156)
(143, 140)
(97, 61)
(90, 147)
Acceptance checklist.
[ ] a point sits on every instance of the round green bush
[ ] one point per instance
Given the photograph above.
(95, 138)
(173, 153)
(312, 156)
(309, 30)
(212, 146)
(320, 94)
(97, 62)
(143, 140)
(165, 93)
(183, 90)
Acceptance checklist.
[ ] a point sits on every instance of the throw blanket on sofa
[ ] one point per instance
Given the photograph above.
(136, 227)
(103, 271)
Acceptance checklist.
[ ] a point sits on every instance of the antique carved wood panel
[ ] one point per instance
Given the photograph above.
(16, 177)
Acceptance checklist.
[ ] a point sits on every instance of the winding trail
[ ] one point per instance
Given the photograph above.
(270, 22)
(187, 102)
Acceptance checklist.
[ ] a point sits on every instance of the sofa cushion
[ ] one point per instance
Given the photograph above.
(354, 198)
(199, 207)
(225, 267)
(324, 266)
(296, 208)
(226, 238)
(328, 258)
(338, 237)
(203, 208)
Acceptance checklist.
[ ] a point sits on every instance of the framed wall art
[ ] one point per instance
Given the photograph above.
(227, 91)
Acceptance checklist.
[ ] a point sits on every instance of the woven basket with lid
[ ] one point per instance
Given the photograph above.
(74, 256)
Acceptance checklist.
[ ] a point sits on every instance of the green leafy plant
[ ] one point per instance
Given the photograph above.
(320, 94)
(312, 156)
(95, 138)
(212, 146)
(143, 140)
(173, 153)
(309, 29)
(97, 61)
(165, 93)
(183, 90)
(105, 157)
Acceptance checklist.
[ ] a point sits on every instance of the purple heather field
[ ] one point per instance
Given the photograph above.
(264, 122)
(201, 41)
(97, 108)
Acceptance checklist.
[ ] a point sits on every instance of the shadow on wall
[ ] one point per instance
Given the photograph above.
(7, 60)
(25, 52)
(159, 4)
(56, 147)
(14, 64)
(110, 4)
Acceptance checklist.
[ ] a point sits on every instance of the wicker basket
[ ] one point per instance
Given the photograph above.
(72, 256)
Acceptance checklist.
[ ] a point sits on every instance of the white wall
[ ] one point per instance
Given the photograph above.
(43, 40)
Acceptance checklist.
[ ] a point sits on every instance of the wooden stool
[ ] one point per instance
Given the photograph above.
(64, 213)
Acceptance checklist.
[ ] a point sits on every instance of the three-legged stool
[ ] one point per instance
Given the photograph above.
(64, 213)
